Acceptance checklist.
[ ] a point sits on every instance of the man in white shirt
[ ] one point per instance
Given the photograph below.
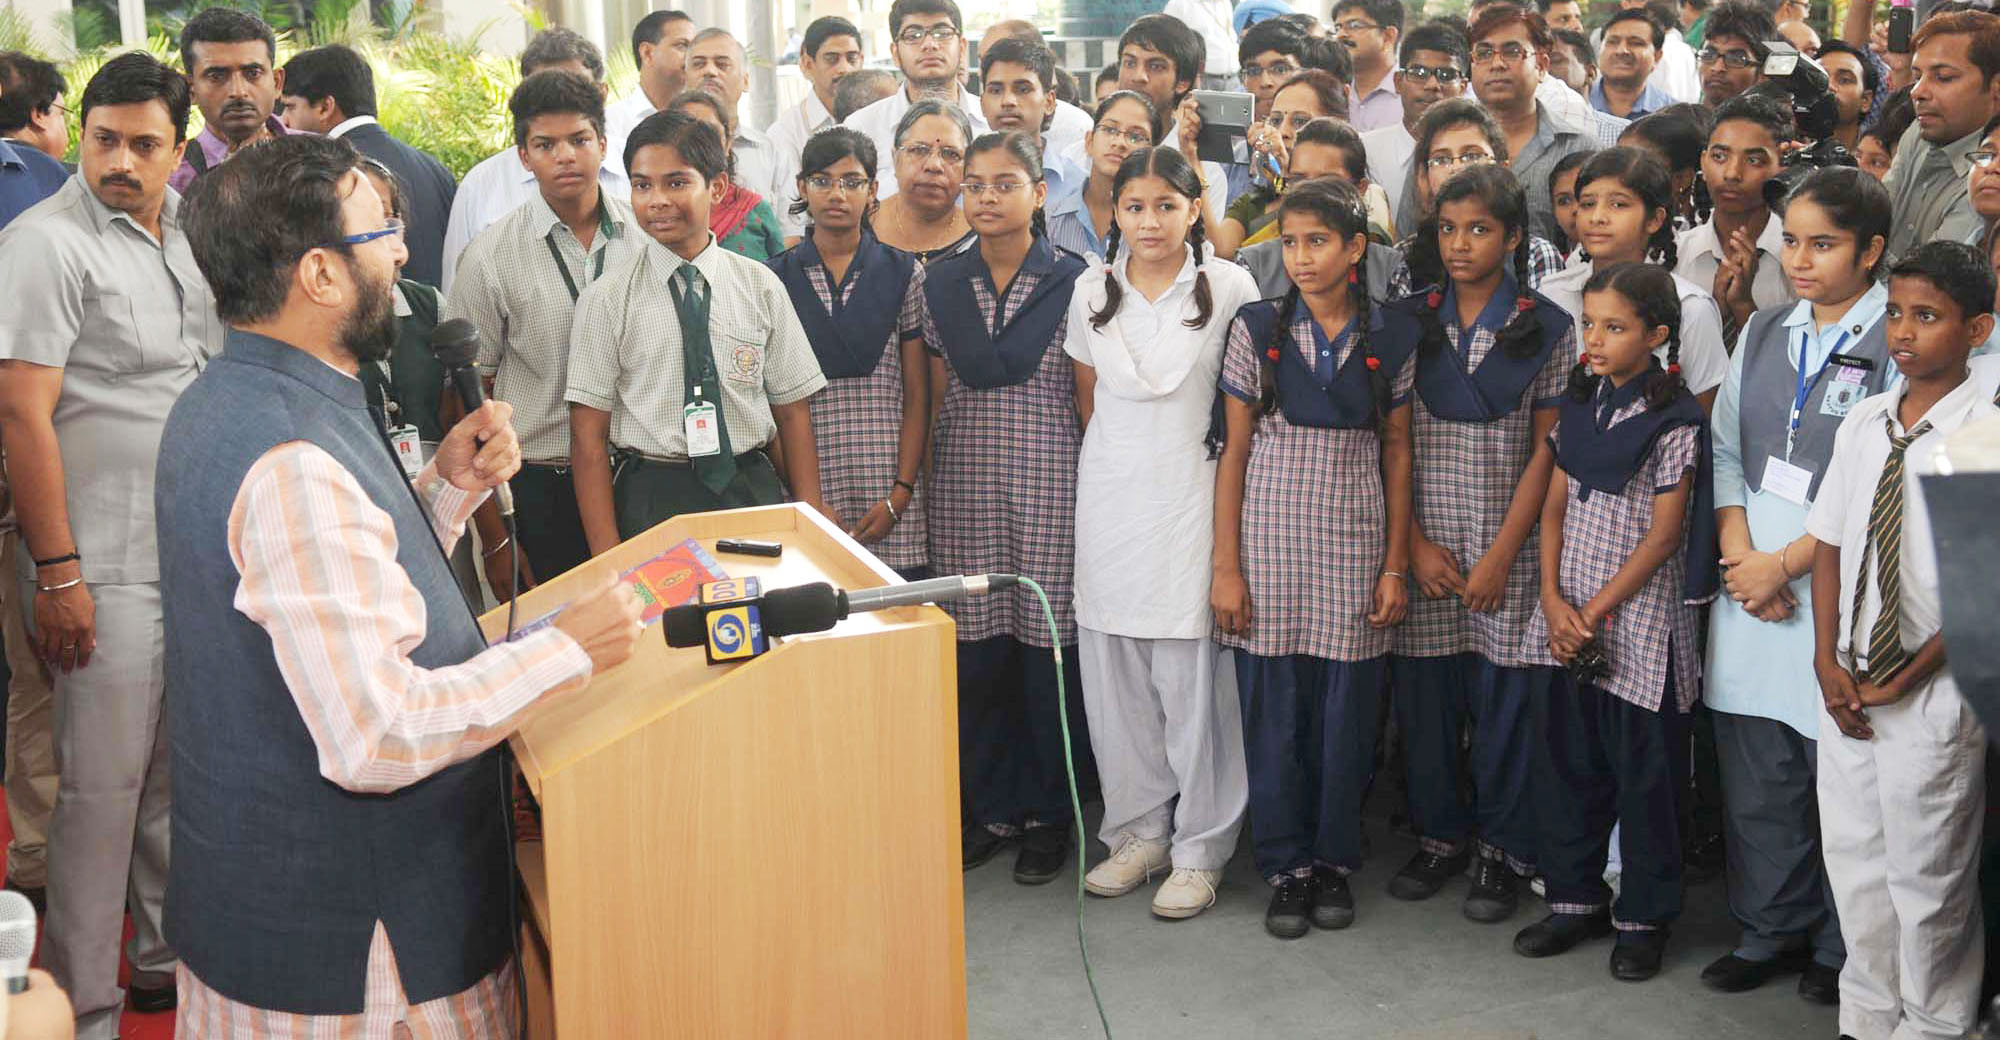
(502, 182)
(1371, 31)
(1435, 67)
(718, 66)
(1676, 72)
(831, 49)
(1067, 123)
(930, 50)
(659, 51)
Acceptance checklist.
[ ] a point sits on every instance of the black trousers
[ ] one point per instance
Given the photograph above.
(1605, 762)
(1010, 744)
(546, 521)
(646, 492)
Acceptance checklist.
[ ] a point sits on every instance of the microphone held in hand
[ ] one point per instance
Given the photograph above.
(17, 939)
(455, 344)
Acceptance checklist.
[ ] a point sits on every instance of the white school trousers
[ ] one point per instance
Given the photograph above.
(1900, 822)
(1168, 733)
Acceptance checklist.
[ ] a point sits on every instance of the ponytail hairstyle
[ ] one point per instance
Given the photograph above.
(1495, 188)
(827, 147)
(1338, 205)
(1170, 166)
(1650, 290)
(1854, 200)
(1020, 146)
(1646, 177)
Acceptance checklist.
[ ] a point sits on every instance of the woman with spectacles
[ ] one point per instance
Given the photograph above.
(1983, 184)
(1003, 499)
(861, 304)
(743, 221)
(923, 216)
(1310, 95)
(1123, 123)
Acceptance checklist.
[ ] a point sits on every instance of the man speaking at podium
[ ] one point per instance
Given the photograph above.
(340, 845)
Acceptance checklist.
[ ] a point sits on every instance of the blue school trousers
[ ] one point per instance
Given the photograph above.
(1010, 745)
(1309, 741)
(1434, 698)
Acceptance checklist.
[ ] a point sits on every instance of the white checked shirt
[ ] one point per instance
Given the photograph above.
(499, 185)
(625, 349)
(1701, 255)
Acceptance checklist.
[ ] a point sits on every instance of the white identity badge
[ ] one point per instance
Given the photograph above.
(704, 436)
(409, 449)
(1789, 482)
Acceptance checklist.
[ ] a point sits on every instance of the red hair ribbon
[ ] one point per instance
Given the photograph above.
(1372, 362)
(1435, 299)
(1524, 304)
(1583, 357)
(1674, 368)
(1272, 353)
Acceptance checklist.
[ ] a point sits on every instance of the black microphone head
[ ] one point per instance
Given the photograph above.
(685, 625)
(803, 608)
(455, 342)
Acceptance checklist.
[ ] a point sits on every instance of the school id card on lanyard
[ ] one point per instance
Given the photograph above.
(1784, 478)
(404, 438)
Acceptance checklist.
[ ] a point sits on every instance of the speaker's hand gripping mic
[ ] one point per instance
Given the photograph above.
(455, 343)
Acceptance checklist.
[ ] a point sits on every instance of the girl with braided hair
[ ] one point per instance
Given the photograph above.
(1146, 333)
(1624, 214)
(1628, 529)
(1491, 369)
(1312, 511)
(1002, 499)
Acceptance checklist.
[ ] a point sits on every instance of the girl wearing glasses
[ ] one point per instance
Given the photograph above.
(1003, 499)
(1146, 332)
(1312, 542)
(861, 304)
(1491, 370)
(1624, 213)
(743, 221)
(923, 217)
(1305, 97)
(1124, 123)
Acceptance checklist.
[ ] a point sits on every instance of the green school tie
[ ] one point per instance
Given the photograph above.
(691, 297)
(1886, 655)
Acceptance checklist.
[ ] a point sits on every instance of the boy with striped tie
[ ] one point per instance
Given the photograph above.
(1902, 758)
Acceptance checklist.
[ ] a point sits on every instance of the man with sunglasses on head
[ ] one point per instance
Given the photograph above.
(930, 50)
(1435, 67)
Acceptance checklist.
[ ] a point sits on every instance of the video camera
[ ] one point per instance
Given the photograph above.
(1814, 109)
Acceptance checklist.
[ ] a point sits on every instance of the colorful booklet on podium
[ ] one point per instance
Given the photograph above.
(666, 581)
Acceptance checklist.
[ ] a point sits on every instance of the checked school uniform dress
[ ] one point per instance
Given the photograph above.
(1616, 750)
(858, 417)
(1003, 500)
(1449, 661)
(1309, 671)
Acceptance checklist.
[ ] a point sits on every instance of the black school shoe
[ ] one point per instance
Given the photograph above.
(1044, 850)
(1559, 933)
(1425, 874)
(1291, 903)
(1637, 955)
(977, 845)
(1495, 892)
(152, 1000)
(1820, 984)
(1332, 900)
(1732, 974)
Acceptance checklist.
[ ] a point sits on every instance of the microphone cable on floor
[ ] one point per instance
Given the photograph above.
(1075, 801)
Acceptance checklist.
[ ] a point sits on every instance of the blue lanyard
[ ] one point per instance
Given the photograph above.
(1805, 386)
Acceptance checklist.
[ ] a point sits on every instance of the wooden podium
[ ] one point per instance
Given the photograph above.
(765, 849)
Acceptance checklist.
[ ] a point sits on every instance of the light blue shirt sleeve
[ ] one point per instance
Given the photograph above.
(1726, 427)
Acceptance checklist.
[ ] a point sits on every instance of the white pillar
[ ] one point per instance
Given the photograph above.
(765, 36)
(47, 22)
(132, 22)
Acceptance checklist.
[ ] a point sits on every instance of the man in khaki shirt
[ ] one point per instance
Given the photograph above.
(122, 325)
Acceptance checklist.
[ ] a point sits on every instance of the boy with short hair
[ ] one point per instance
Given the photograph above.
(1902, 757)
(687, 361)
(1017, 78)
(1744, 151)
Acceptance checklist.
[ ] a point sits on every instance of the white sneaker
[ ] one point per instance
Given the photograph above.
(1131, 864)
(1186, 892)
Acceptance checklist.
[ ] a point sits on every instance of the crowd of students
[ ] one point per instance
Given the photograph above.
(1540, 429)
